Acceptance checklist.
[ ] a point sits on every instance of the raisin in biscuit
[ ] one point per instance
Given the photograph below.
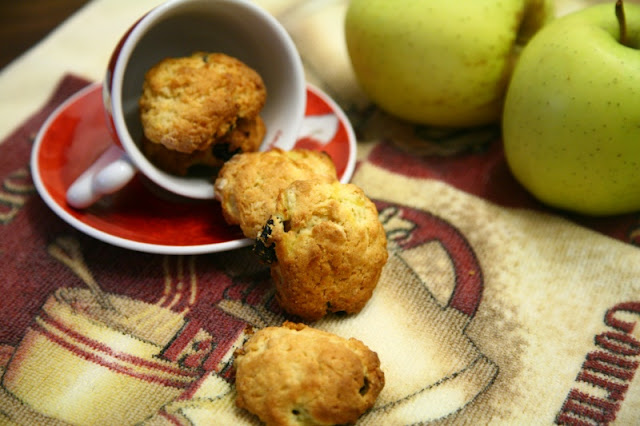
(188, 103)
(246, 136)
(328, 248)
(298, 375)
(248, 184)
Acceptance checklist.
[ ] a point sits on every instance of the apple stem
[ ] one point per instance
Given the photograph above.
(622, 22)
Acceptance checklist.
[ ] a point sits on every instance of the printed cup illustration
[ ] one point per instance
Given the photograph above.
(433, 368)
(177, 28)
(84, 364)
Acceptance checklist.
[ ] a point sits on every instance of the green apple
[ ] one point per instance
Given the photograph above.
(440, 63)
(571, 124)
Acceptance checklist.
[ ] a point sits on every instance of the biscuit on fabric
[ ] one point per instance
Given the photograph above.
(189, 102)
(298, 375)
(246, 136)
(327, 247)
(249, 183)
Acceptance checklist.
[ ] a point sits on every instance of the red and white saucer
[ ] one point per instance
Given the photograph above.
(141, 216)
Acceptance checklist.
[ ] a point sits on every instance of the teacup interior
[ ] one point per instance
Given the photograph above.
(234, 28)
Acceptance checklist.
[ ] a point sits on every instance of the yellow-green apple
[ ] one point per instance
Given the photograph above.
(571, 124)
(440, 63)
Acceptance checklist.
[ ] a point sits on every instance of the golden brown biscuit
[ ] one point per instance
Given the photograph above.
(328, 247)
(246, 136)
(189, 102)
(248, 184)
(298, 375)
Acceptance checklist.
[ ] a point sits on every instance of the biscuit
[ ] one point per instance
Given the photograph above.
(328, 248)
(246, 136)
(248, 184)
(298, 375)
(189, 102)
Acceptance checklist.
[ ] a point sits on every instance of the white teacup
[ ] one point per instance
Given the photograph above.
(176, 28)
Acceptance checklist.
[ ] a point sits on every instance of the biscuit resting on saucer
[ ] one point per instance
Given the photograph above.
(327, 247)
(298, 375)
(248, 184)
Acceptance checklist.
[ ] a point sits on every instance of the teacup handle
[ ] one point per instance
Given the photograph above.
(109, 173)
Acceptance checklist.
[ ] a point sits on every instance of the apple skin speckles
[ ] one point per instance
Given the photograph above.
(569, 114)
(440, 63)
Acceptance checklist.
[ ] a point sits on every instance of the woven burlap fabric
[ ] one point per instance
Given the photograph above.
(492, 308)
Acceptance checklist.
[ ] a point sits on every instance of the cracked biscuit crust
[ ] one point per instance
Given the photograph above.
(246, 136)
(298, 375)
(248, 184)
(330, 248)
(189, 102)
